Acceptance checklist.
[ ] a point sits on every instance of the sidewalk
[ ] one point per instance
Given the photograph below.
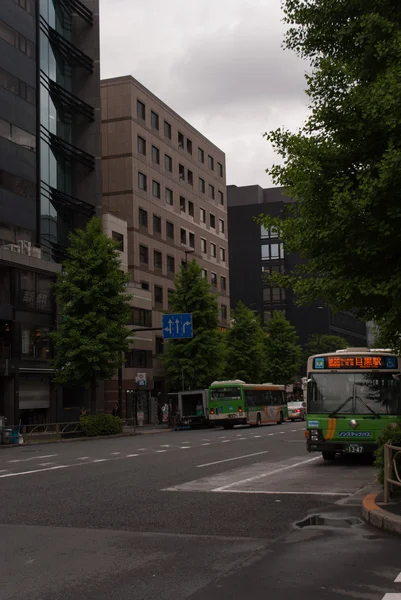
(378, 514)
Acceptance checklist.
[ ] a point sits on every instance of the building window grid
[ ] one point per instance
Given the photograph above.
(167, 130)
(170, 230)
(213, 250)
(168, 163)
(143, 218)
(142, 181)
(156, 189)
(157, 259)
(154, 120)
(156, 155)
(211, 191)
(141, 110)
(169, 196)
(144, 254)
(272, 251)
(18, 136)
(141, 145)
(15, 86)
(201, 155)
(157, 224)
(170, 264)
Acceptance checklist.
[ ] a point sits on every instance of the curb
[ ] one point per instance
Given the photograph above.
(378, 517)
(84, 439)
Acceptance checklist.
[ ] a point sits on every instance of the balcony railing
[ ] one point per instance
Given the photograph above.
(76, 6)
(69, 103)
(68, 51)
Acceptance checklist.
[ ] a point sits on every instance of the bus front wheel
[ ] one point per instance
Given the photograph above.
(328, 455)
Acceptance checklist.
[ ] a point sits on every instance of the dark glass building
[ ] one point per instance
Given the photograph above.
(50, 183)
(256, 252)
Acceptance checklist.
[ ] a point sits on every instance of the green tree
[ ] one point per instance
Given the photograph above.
(245, 347)
(283, 354)
(344, 165)
(91, 293)
(195, 362)
(322, 344)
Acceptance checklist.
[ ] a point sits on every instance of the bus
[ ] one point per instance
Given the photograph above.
(351, 395)
(238, 403)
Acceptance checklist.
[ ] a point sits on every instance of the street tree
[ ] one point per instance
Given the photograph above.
(343, 166)
(323, 344)
(91, 294)
(194, 363)
(245, 347)
(283, 354)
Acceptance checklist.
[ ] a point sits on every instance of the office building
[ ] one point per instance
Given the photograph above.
(50, 183)
(168, 182)
(256, 252)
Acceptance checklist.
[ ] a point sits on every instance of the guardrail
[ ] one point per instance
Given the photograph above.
(391, 454)
(58, 430)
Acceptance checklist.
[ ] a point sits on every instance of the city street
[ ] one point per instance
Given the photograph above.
(206, 515)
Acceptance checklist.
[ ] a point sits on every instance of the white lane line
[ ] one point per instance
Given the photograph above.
(258, 436)
(83, 458)
(37, 471)
(398, 578)
(217, 462)
(46, 464)
(114, 453)
(164, 445)
(184, 447)
(270, 434)
(242, 438)
(206, 444)
(3, 470)
(222, 437)
(294, 429)
(392, 597)
(141, 449)
(131, 455)
(161, 451)
(185, 442)
(280, 470)
(100, 460)
(239, 434)
(31, 458)
(282, 432)
(225, 441)
(273, 493)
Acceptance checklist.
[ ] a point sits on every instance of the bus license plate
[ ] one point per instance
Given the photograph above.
(355, 449)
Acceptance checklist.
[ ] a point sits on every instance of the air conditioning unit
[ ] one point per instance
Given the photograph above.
(36, 252)
(25, 247)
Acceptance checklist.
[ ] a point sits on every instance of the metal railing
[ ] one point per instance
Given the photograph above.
(57, 430)
(392, 454)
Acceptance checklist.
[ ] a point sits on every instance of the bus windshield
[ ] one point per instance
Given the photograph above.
(356, 393)
(225, 393)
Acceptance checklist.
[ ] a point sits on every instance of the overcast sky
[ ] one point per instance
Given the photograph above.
(218, 63)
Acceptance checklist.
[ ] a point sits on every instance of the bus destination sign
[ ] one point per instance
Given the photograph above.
(355, 362)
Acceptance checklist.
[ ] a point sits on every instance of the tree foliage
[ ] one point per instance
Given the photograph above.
(91, 293)
(282, 351)
(322, 344)
(245, 347)
(344, 165)
(198, 361)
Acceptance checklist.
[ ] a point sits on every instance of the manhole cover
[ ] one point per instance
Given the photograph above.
(319, 521)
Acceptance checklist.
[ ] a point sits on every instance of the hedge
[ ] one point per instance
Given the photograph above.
(101, 424)
(390, 434)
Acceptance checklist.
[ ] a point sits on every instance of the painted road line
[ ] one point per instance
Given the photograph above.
(398, 578)
(46, 464)
(100, 460)
(205, 439)
(31, 458)
(164, 445)
(283, 432)
(206, 444)
(258, 436)
(114, 453)
(159, 451)
(392, 597)
(241, 438)
(36, 471)
(271, 434)
(217, 462)
(184, 447)
(131, 455)
(295, 430)
(225, 441)
(273, 493)
(83, 458)
(256, 477)
(3, 470)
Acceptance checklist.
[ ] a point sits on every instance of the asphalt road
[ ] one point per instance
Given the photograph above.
(201, 515)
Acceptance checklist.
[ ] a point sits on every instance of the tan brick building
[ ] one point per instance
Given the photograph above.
(168, 182)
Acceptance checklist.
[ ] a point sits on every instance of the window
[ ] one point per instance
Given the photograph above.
(221, 198)
(141, 359)
(10, 35)
(154, 120)
(180, 140)
(157, 224)
(182, 204)
(210, 162)
(223, 312)
(213, 250)
(144, 254)
(142, 182)
(189, 146)
(220, 169)
(211, 192)
(145, 285)
(265, 252)
(190, 208)
(28, 5)
(159, 345)
(191, 240)
(141, 145)
(202, 215)
(264, 232)
(223, 283)
(141, 317)
(281, 250)
(143, 218)
(16, 86)
(181, 172)
(204, 273)
(170, 264)
(170, 230)
(167, 130)
(17, 135)
(273, 232)
(201, 155)
(119, 239)
(158, 295)
(169, 196)
(156, 155)
(190, 177)
(202, 185)
(140, 109)
(274, 251)
(212, 221)
(222, 255)
(170, 297)
(213, 279)
(273, 295)
(203, 245)
(221, 226)
(17, 185)
(168, 163)
(157, 259)
(183, 236)
(156, 189)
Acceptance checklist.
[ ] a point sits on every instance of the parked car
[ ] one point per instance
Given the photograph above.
(296, 410)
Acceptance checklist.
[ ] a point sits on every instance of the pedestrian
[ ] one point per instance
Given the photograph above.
(116, 410)
(165, 412)
(159, 413)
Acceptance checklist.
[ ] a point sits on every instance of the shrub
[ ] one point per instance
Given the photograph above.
(392, 434)
(101, 424)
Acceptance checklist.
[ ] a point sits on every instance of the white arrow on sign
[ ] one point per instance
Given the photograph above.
(169, 328)
(186, 324)
(177, 325)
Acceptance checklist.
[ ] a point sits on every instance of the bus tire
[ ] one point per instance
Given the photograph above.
(281, 421)
(328, 455)
(258, 421)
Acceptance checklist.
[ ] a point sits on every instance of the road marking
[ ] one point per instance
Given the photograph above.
(45, 464)
(270, 434)
(242, 438)
(36, 471)
(225, 441)
(184, 447)
(31, 458)
(258, 436)
(280, 470)
(206, 444)
(217, 462)
(282, 432)
(141, 449)
(114, 453)
(398, 578)
(273, 493)
(83, 458)
(4, 471)
(294, 429)
(222, 437)
(205, 439)
(392, 597)
(131, 455)
(164, 445)
(100, 460)
(239, 434)
(161, 451)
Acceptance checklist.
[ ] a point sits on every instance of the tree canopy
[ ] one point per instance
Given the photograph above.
(283, 354)
(195, 363)
(343, 166)
(91, 293)
(322, 344)
(245, 357)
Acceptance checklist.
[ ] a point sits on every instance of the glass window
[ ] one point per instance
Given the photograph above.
(9, 82)
(220, 169)
(180, 139)
(204, 273)
(154, 120)
(201, 155)
(221, 198)
(281, 250)
(212, 221)
(273, 232)
(274, 251)
(143, 218)
(190, 177)
(155, 155)
(190, 208)
(5, 129)
(202, 215)
(167, 130)
(183, 236)
(119, 239)
(222, 254)
(142, 182)
(157, 224)
(8, 34)
(221, 226)
(191, 240)
(203, 246)
(169, 196)
(264, 232)
(170, 230)
(158, 294)
(156, 189)
(141, 317)
(141, 145)
(140, 359)
(170, 297)
(202, 185)
(159, 345)
(157, 259)
(140, 109)
(265, 251)
(213, 250)
(223, 312)
(182, 204)
(213, 279)
(145, 285)
(168, 163)
(189, 146)
(223, 283)
(23, 138)
(211, 192)
(170, 264)
(210, 162)
(44, 294)
(144, 254)
(181, 172)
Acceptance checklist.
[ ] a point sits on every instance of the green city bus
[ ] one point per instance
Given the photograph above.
(351, 395)
(238, 403)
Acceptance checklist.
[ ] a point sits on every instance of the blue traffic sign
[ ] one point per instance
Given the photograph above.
(177, 326)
